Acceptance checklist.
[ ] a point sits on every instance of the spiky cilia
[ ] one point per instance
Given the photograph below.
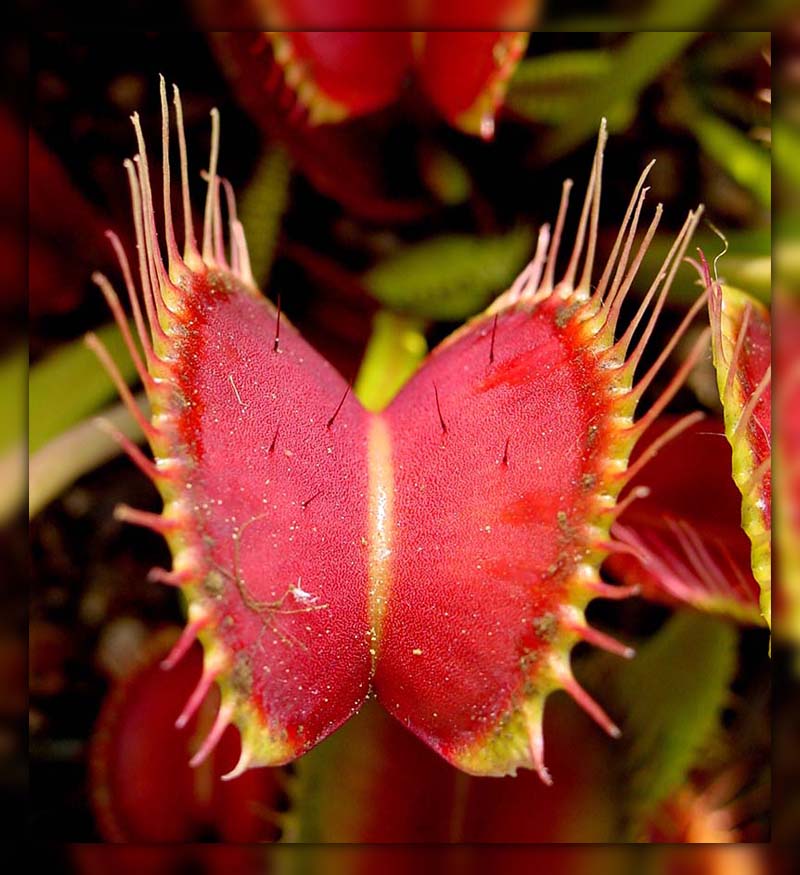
(439, 553)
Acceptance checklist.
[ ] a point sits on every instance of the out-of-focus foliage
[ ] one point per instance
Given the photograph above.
(747, 162)
(13, 371)
(452, 277)
(13, 368)
(669, 720)
(549, 88)
(68, 385)
(262, 208)
(634, 65)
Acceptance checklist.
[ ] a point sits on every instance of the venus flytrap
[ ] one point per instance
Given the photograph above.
(438, 554)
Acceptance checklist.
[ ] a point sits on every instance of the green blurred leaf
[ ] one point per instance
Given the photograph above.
(75, 452)
(637, 63)
(13, 458)
(444, 175)
(449, 277)
(747, 263)
(786, 151)
(70, 384)
(396, 347)
(730, 48)
(661, 15)
(262, 207)
(744, 160)
(787, 260)
(338, 762)
(671, 695)
(664, 14)
(13, 368)
(547, 88)
(734, 105)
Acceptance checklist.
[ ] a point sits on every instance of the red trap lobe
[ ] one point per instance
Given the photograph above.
(275, 583)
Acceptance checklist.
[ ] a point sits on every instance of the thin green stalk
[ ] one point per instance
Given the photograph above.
(395, 349)
(262, 207)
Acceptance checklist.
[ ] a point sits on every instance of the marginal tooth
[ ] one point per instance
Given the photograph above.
(611, 591)
(306, 93)
(605, 642)
(533, 718)
(588, 704)
(573, 619)
(211, 671)
(616, 547)
(97, 346)
(221, 723)
(242, 765)
(197, 620)
(145, 465)
(169, 578)
(527, 284)
(621, 506)
(186, 565)
(282, 49)
(155, 521)
(294, 74)
(583, 575)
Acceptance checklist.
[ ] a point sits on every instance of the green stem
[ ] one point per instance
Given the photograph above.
(395, 349)
(786, 151)
(12, 475)
(13, 379)
(261, 210)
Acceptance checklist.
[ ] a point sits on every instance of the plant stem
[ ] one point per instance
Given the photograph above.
(395, 349)
(262, 207)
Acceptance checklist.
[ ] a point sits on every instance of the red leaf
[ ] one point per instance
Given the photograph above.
(143, 789)
(691, 496)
